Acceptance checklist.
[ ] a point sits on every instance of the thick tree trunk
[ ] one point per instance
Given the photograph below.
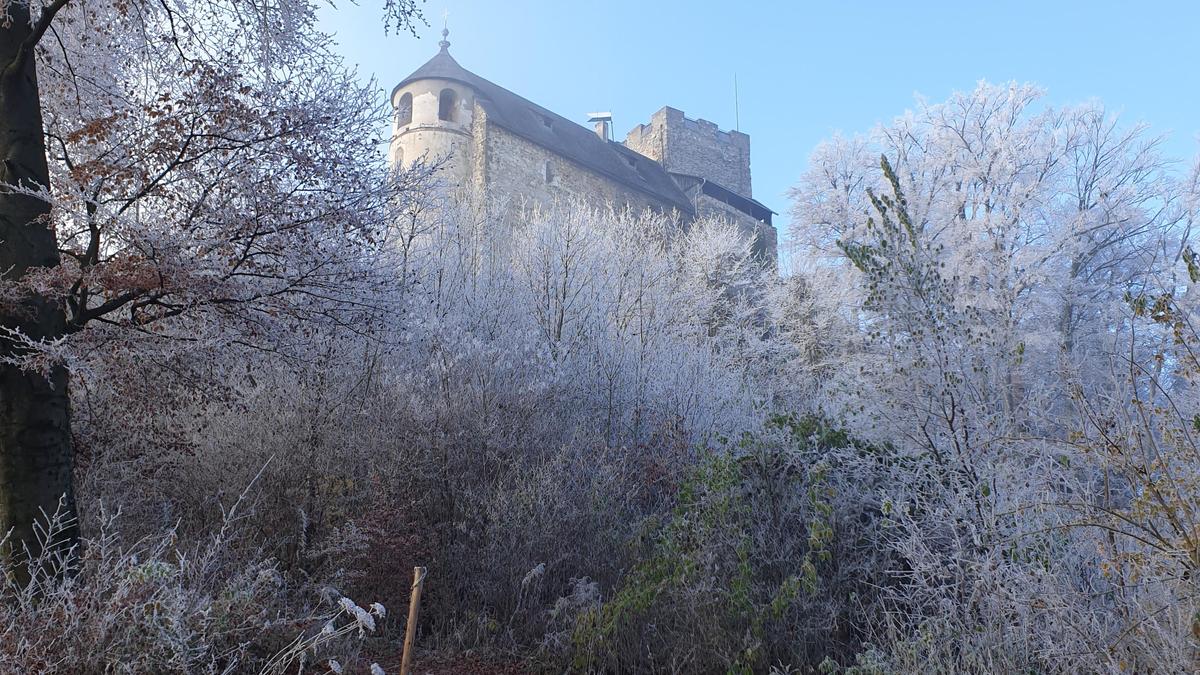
(35, 442)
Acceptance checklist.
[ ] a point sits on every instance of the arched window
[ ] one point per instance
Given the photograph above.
(404, 111)
(447, 104)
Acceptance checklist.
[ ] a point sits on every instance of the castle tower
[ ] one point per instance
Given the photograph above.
(434, 110)
(695, 148)
(712, 167)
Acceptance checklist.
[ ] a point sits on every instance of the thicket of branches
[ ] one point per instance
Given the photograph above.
(1021, 283)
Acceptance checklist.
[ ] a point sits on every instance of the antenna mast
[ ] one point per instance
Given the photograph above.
(737, 117)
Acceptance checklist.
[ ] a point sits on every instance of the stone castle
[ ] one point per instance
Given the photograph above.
(502, 144)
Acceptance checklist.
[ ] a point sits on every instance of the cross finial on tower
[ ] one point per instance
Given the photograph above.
(445, 43)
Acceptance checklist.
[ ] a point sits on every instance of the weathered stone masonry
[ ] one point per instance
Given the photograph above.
(696, 148)
(529, 174)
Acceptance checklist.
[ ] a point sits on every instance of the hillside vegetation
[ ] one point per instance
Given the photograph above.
(959, 433)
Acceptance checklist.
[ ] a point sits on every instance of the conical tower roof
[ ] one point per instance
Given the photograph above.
(442, 67)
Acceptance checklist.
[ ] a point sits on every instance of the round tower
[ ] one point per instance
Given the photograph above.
(433, 111)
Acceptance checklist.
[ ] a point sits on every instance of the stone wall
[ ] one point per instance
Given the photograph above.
(696, 148)
(763, 235)
(531, 175)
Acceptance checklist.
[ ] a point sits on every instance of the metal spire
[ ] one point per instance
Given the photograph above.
(445, 44)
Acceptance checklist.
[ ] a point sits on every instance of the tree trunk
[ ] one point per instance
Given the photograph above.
(35, 441)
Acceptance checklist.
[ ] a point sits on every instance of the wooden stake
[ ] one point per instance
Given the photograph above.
(410, 631)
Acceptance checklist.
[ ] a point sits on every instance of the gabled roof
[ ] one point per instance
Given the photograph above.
(556, 133)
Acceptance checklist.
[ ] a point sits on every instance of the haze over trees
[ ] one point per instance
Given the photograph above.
(959, 437)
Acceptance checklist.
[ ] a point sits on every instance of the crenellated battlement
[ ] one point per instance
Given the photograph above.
(695, 147)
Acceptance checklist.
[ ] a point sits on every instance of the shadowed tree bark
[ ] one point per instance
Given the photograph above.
(35, 442)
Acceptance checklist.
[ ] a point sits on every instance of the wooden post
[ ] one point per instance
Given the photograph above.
(410, 631)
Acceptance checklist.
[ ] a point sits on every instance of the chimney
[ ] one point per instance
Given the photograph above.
(603, 122)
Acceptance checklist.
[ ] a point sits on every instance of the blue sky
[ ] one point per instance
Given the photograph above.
(805, 70)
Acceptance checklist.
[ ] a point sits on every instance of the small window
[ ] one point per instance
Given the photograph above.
(404, 111)
(548, 173)
(447, 106)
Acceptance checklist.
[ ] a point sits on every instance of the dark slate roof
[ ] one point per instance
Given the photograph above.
(558, 134)
(747, 205)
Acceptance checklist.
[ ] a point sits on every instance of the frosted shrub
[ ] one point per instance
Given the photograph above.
(769, 556)
(158, 606)
(536, 405)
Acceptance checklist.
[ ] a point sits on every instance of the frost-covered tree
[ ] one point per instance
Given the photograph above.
(184, 174)
(631, 320)
(1037, 219)
(1017, 288)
